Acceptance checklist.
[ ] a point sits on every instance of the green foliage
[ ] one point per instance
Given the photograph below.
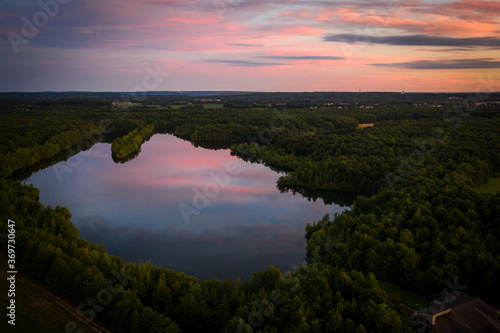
(433, 226)
(24, 157)
(491, 187)
(132, 142)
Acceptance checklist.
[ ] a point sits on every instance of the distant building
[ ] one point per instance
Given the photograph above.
(461, 313)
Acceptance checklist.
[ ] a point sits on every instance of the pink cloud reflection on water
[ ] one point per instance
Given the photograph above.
(133, 208)
(167, 162)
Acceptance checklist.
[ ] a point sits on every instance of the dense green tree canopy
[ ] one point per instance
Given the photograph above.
(418, 221)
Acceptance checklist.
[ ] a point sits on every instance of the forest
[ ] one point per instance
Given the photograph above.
(418, 219)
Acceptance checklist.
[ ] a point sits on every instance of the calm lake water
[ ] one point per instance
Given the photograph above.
(200, 211)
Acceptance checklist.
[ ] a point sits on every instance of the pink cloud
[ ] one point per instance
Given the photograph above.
(107, 45)
(428, 23)
(302, 30)
(471, 11)
(458, 18)
(459, 28)
(189, 18)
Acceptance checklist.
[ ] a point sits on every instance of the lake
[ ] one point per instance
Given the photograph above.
(200, 211)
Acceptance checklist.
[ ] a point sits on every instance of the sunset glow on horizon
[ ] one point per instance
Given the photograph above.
(253, 45)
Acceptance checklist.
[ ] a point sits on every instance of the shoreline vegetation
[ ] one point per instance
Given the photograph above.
(424, 224)
(131, 143)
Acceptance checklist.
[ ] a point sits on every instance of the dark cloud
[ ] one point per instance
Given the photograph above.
(414, 40)
(458, 49)
(302, 57)
(242, 63)
(446, 64)
(245, 45)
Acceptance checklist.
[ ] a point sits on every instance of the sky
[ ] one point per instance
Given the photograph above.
(249, 45)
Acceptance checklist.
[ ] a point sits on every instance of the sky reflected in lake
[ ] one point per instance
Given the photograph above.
(203, 212)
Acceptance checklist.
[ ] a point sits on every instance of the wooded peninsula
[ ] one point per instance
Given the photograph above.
(425, 211)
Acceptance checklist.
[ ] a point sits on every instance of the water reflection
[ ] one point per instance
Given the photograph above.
(242, 226)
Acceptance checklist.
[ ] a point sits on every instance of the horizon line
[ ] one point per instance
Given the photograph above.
(234, 91)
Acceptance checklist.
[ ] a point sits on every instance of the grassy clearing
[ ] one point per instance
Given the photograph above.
(491, 187)
(35, 311)
(409, 297)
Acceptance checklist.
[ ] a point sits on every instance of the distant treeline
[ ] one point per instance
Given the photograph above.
(243, 98)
